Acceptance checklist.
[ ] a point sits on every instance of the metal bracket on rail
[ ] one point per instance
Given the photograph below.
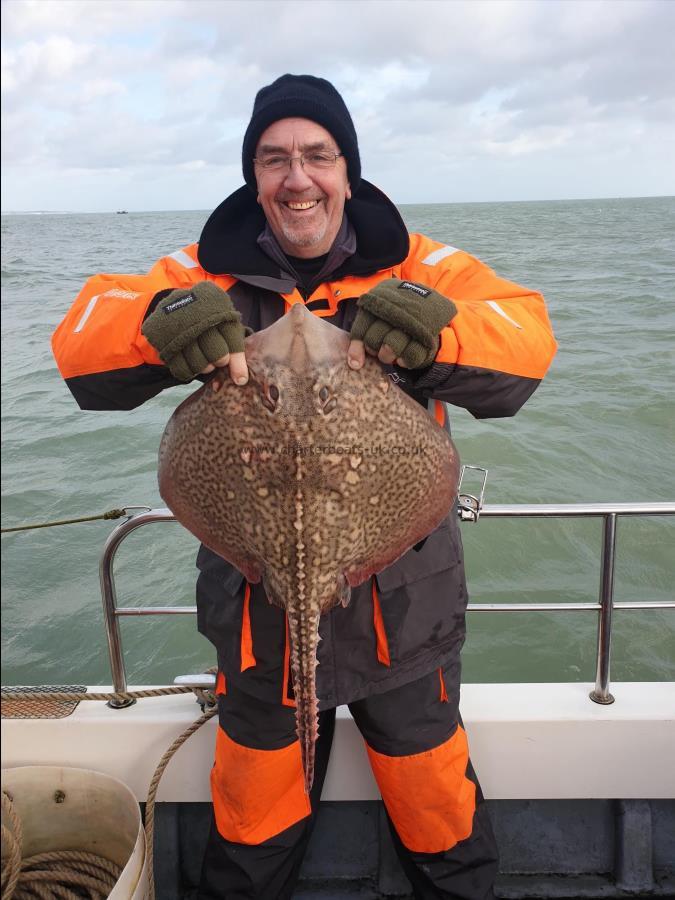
(130, 514)
(470, 506)
(204, 686)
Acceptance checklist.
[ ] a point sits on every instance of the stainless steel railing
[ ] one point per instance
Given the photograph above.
(608, 512)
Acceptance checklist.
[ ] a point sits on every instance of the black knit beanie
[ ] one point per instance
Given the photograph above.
(306, 97)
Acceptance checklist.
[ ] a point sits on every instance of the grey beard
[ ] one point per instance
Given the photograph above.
(307, 240)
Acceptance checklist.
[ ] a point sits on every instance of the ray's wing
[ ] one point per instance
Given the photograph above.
(399, 482)
(219, 483)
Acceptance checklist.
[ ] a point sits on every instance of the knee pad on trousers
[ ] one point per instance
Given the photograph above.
(256, 793)
(429, 799)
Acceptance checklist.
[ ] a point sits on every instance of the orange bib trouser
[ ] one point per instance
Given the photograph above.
(418, 751)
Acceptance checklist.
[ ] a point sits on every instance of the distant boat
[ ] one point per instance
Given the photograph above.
(122, 212)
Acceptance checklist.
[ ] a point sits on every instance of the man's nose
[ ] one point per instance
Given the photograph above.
(296, 178)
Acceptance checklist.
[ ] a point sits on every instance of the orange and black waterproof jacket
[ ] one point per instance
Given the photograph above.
(410, 618)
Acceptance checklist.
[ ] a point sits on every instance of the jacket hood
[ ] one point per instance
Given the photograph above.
(229, 241)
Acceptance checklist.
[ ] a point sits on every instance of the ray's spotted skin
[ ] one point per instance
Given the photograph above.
(312, 477)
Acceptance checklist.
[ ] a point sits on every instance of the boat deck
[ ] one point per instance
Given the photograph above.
(580, 794)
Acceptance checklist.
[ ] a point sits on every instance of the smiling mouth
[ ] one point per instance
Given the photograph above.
(296, 206)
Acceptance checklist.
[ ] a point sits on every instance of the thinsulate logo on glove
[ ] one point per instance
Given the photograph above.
(416, 288)
(179, 304)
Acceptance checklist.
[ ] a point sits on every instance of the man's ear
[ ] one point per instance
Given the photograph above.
(348, 192)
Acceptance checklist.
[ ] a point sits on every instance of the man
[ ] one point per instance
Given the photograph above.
(307, 229)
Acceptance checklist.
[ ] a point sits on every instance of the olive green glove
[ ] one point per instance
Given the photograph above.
(406, 316)
(194, 327)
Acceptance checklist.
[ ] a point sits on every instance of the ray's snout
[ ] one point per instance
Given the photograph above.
(298, 313)
(301, 340)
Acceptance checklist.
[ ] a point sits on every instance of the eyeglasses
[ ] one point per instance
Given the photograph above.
(313, 160)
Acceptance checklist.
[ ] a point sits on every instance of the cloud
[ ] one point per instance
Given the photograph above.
(35, 68)
(435, 88)
(28, 19)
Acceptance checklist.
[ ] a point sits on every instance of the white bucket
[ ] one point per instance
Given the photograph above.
(77, 809)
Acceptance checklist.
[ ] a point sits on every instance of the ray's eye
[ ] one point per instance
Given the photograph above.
(328, 403)
(270, 397)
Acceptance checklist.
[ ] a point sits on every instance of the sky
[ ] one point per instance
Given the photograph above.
(142, 104)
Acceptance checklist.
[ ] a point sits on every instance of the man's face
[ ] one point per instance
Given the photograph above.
(304, 207)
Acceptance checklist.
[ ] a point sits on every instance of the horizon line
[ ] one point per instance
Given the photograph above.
(85, 212)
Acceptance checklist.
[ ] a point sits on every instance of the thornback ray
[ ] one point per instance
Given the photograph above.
(313, 477)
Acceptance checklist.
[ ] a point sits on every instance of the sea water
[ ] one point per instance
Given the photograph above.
(601, 427)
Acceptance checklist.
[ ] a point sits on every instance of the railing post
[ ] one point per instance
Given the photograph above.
(112, 625)
(109, 594)
(600, 694)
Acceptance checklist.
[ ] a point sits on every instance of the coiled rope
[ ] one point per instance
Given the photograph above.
(55, 874)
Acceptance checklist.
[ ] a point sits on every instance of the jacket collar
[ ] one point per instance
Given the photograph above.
(234, 242)
(343, 247)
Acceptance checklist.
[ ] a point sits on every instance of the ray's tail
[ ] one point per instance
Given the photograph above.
(304, 635)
